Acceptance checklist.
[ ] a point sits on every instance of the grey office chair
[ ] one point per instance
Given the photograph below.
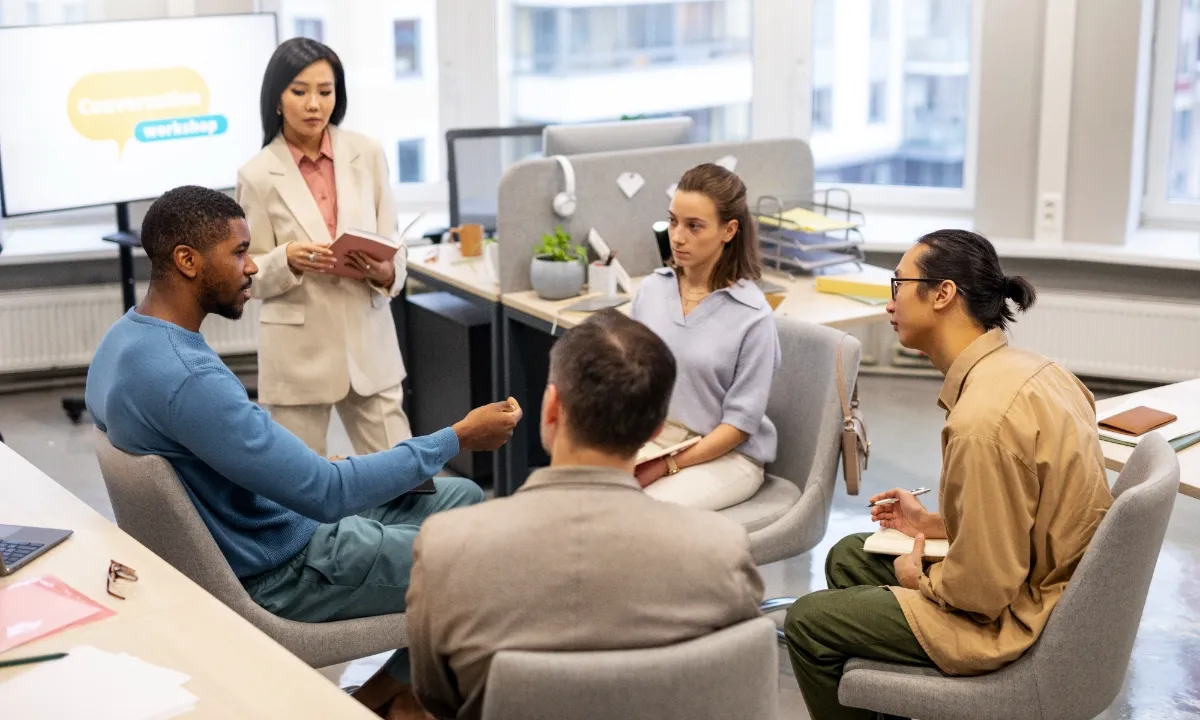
(1075, 669)
(732, 673)
(790, 512)
(152, 505)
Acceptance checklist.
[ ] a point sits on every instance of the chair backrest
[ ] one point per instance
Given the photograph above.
(804, 403)
(732, 673)
(1079, 661)
(152, 504)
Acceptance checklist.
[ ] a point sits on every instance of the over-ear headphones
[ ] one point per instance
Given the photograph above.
(564, 202)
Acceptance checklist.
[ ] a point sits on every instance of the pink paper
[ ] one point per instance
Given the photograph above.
(43, 606)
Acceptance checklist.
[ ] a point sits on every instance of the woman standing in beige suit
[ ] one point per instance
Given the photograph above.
(325, 341)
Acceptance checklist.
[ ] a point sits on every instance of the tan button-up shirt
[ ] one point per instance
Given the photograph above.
(578, 559)
(1023, 489)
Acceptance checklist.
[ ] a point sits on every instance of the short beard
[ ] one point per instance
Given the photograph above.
(210, 300)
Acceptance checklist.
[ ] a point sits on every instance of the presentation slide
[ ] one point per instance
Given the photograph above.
(101, 113)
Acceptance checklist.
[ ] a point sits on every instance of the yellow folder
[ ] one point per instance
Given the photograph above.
(871, 282)
(806, 220)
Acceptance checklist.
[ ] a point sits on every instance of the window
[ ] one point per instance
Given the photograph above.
(387, 48)
(877, 103)
(408, 48)
(590, 62)
(924, 141)
(74, 12)
(410, 160)
(32, 14)
(880, 29)
(651, 26)
(311, 28)
(1173, 158)
(822, 109)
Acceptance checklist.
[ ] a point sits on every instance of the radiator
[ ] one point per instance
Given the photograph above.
(1091, 335)
(1106, 337)
(60, 328)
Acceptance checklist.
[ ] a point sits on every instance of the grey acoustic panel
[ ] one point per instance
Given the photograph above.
(782, 168)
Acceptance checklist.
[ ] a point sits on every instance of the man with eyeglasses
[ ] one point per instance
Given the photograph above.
(1023, 489)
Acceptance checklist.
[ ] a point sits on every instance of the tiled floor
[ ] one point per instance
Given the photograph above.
(1163, 682)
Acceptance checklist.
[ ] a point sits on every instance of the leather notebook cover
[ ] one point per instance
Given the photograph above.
(1137, 421)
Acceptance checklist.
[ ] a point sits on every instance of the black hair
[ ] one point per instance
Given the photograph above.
(614, 377)
(288, 61)
(190, 215)
(970, 261)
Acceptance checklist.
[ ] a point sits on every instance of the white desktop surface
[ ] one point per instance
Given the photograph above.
(1185, 393)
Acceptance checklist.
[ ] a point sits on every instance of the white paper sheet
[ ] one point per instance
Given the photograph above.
(103, 686)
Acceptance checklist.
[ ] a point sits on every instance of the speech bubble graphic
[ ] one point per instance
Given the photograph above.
(109, 105)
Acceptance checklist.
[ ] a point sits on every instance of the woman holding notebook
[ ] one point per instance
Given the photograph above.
(707, 308)
(325, 340)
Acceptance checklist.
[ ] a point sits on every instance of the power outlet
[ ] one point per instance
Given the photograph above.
(1050, 212)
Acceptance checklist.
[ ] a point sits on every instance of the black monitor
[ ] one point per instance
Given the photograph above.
(477, 159)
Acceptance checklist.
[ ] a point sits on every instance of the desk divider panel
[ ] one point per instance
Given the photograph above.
(782, 168)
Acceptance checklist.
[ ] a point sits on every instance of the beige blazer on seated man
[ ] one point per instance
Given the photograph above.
(577, 559)
(320, 335)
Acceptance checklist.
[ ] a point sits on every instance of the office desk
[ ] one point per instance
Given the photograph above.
(1181, 394)
(530, 324)
(236, 671)
(443, 268)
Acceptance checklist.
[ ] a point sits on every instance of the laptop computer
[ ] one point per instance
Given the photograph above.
(19, 545)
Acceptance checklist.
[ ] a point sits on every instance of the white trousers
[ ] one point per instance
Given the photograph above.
(714, 485)
(373, 423)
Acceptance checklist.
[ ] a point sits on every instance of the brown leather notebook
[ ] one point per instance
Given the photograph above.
(1137, 421)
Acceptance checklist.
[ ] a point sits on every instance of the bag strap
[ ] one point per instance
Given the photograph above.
(841, 384)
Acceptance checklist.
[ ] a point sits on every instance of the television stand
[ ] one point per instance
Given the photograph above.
(126, 240)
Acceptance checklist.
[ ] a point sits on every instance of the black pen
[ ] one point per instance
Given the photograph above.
(611, 256)
(30, 660)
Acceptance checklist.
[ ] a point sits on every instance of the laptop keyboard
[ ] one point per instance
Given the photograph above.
(14, 552)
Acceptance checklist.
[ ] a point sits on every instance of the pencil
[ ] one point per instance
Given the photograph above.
(30, 660)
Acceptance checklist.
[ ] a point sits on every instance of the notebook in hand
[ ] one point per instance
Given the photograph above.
(653, 452)
(377, 247)
(893, 542)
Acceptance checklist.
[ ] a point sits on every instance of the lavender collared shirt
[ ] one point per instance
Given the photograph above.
(726, 353)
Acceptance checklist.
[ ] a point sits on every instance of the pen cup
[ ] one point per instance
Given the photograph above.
(602, 279)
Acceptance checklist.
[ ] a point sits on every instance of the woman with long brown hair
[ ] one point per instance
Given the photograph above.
(707, 308)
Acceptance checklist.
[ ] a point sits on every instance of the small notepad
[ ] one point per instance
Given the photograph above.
(893, 542)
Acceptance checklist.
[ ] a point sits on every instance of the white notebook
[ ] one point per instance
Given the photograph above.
(886, 541)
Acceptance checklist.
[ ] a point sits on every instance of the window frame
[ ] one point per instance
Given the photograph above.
(1157, 207)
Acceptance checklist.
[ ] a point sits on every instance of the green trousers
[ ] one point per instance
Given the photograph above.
(855, 618)
(360, 565)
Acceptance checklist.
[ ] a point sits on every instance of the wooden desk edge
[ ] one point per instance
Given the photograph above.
(428, 272)
(1185, 488)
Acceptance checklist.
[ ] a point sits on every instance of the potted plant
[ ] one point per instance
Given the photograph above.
(557, 269)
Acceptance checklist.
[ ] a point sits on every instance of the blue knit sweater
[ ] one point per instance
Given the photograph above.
(158, 389)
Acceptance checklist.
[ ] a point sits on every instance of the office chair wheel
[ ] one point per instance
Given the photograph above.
(75, 408)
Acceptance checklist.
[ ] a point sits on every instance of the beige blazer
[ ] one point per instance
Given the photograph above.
(577, 559)
(320, 335)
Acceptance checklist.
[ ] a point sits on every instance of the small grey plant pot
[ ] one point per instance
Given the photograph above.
(555, 280)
